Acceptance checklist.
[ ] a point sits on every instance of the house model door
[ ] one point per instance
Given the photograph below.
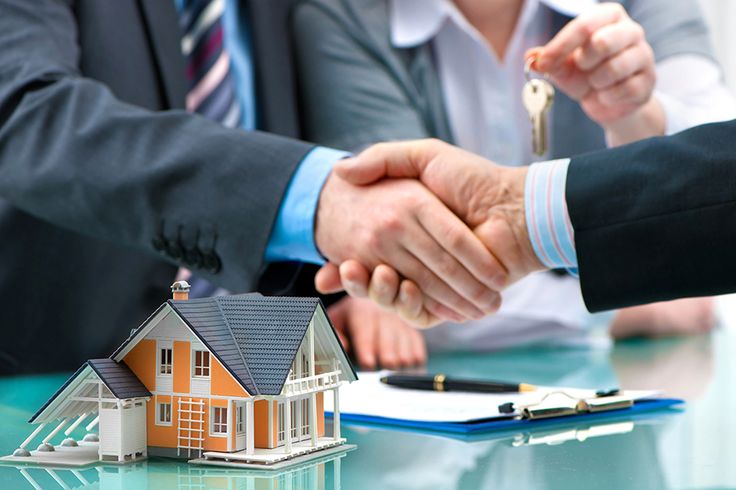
(240, 425)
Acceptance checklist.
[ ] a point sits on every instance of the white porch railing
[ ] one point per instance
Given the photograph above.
(310, 384)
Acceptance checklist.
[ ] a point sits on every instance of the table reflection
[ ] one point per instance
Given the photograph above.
(320, 474)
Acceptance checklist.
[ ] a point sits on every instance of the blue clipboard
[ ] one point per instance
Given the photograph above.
(510, 423)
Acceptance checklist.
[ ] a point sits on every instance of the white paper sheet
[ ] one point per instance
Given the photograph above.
(368, 396)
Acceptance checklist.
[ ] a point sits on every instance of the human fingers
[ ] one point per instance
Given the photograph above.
(441, 230)
(634, 90)
(327, 279)
(607, 42)
(388, 346)
(384, 286)
(576, 33)
(417, 309)
(338, 314)
(440, 275)
(354, 278)
(404, 340)
(363, 327)
(418, 347)
(623, 65)
(464, 246)
(405, 159)
(409, 303)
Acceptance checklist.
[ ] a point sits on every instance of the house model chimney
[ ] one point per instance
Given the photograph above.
(180, 290)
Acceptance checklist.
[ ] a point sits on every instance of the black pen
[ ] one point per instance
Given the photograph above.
(440, 382)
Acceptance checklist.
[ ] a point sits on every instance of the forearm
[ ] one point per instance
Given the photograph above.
(73, 155)
(652, 219)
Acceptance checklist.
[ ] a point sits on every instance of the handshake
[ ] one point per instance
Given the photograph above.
(424, 229)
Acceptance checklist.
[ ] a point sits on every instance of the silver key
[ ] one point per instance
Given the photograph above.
(537, 96)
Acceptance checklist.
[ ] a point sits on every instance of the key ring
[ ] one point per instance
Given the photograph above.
(528, 69)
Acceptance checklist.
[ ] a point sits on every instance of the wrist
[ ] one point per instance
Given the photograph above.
(504, 227)
(325, 215)
(516, 194)
(645, 122)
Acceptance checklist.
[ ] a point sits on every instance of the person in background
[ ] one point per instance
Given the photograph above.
(375, 70)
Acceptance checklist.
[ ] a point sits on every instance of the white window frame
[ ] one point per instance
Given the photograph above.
(159, 420)
(160, 346)
(194, 364)
(304, 428)
(280, 425)
(213, 411)
(240, 419)
(294, 419)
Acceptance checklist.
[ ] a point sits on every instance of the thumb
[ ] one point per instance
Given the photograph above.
(406, 159)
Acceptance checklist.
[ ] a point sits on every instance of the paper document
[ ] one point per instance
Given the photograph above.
(369, 397)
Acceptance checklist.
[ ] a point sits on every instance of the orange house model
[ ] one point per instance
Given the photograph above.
(231, 378)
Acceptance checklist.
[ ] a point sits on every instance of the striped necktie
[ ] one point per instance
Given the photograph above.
(208, 69)
(211, 91)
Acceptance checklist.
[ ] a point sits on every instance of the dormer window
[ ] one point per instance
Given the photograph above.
(165, 357)
(201, 364)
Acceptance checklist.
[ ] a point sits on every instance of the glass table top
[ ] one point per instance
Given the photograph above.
(680, 449)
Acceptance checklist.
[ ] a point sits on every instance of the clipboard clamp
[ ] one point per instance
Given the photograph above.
(562, 404)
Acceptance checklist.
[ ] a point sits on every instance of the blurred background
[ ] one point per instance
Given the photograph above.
(720, 15)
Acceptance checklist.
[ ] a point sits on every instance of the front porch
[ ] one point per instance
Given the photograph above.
(275, 455)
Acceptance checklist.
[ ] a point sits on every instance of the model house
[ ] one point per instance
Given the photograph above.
(231, 378)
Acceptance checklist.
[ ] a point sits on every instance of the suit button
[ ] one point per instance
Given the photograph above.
(158, 243)
(174, 250)
(212, 263)
(193, 258)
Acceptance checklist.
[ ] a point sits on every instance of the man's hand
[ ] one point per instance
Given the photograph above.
(488, 197)
(602, 59)
(376, 338)
(401, 223)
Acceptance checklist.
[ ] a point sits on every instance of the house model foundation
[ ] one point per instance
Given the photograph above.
(236, 380)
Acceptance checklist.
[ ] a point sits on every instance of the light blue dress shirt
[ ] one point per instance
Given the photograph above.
(292, 237)
(548, 221)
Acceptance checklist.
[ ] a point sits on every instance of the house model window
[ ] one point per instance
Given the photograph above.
(201, 364)
(165, 361)
(163, 416)
(240, 419)
(219, 420)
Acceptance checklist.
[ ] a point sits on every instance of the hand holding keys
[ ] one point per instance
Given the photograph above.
(537, 96)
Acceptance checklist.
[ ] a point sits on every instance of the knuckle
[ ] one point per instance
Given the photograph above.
(374, 240)
(447, 267)
(479, 295)
(391, 223)
(455, 238)
(602, 45)
(638, 31)
(618, 8)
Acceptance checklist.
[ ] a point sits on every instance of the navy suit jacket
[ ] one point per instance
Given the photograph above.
(656, 220)
(107, 185)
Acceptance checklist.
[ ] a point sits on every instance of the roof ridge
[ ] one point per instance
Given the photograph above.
(236, 344)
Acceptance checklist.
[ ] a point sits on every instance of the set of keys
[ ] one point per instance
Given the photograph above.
(537, 96)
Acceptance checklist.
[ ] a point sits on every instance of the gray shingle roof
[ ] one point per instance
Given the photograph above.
(255, 337)
(118, 378)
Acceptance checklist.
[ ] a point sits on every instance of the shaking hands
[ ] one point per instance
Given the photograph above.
(443, 231)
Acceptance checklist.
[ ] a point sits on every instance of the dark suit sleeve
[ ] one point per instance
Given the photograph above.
(74, 155)
(656, 220)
